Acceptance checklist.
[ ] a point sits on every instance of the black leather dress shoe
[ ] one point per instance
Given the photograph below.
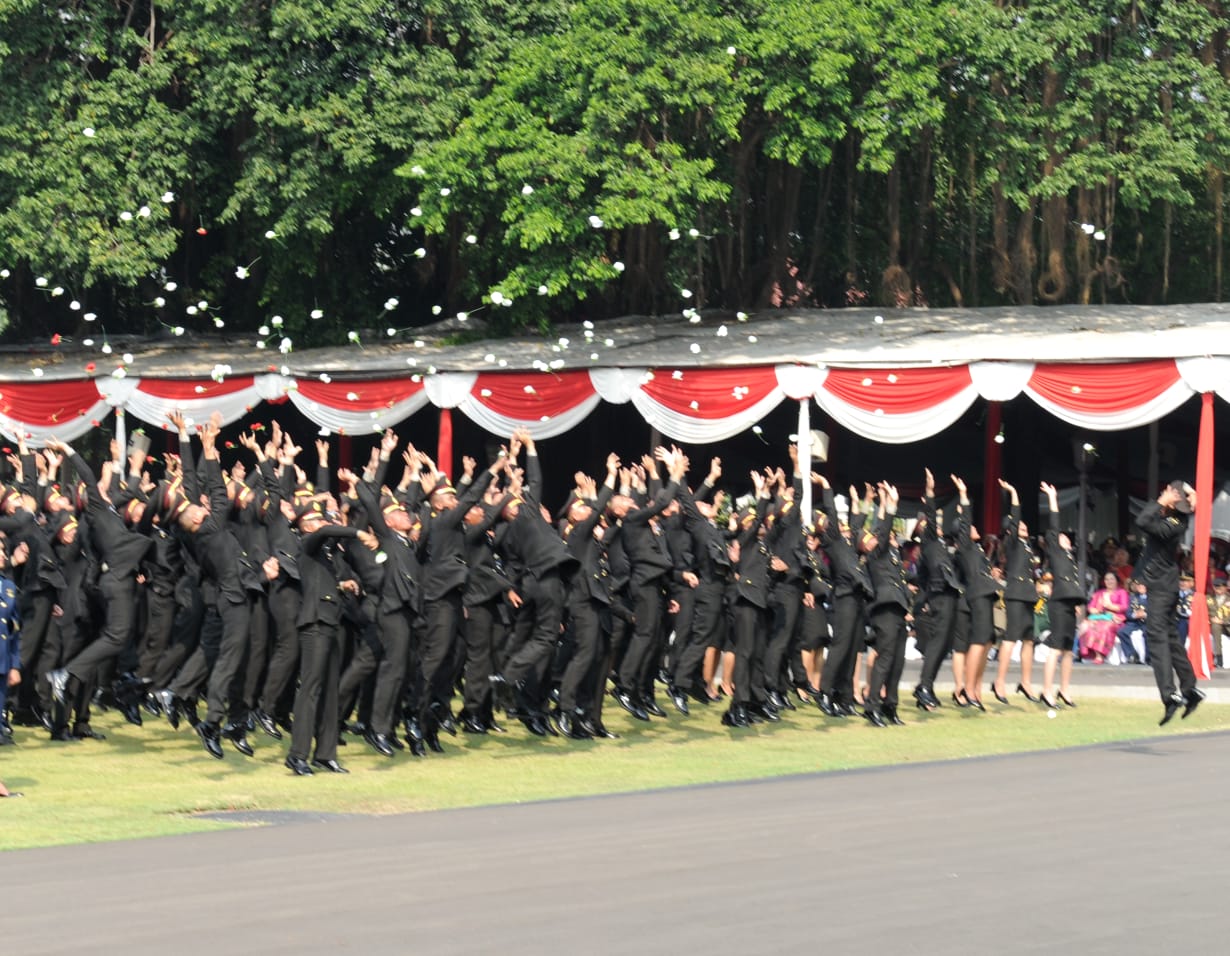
(152, 705)
(679, 699)
(237, 733)
(650, 706)
(787, 703)
(601, 733)
(211, 738)
(736, 716)
(473, 725)
(535, 724)
(299, 767)
(267, 724)
(874, 717)
(630, 704)
(1191, 700)
(776, 699)
(1172, 708)
(379, 743)
(891, 716)
(331, 765)
(764, 710)
(444, 718)
(61, 735)
(494, 726)
(572, 726)
(86, 732)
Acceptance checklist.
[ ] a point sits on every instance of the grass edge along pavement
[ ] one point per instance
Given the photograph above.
(152, 781)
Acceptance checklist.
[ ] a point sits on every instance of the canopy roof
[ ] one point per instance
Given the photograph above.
(890, 375)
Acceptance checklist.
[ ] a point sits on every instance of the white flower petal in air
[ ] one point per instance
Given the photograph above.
(757, 430)
(218, 323)
(199, 389)
(41, 282)
(417, 171)
(88, 343)
(694, 405)
(543, 290)
(191, 310)
(276, 321)
(352, 336)
(471, 239)
(694, 348)
(285, 346)
(593, 356)
(390, 332)
(391, 304)
(202, 305)
(508, 302)
(609, 343)
(178, 330)
(752, 340)
(879, 320)
(866, 382)
(171, 286)
(445, 191)
(462, 316)
(260, 343)
(106, 348)
(722, 332)
(618, 267)
(352, 397)
(485, 393)
(1088, 228)
(892, 378)
(527, 190)
(125, 216)
(168, 196)
(325, 378)
(270, 234)
(558, 363)
(263, 330)
(58, 290)
(503, 363)
(529, 390)
(1100, 236)
(731, 50)
(420, 253)
(144, 212)
(596, 222)
(241, 272)
(159, 301)
(497, 297)
(37, 372)
(75, 305)
(127, 358)
(489, 357)
(90, 316)
(88, 132)
(694, 233)
(317, 313)
(741, 316)
(677, 375)
(674, 234)
(686, 293)
(416, 211)
(4, 273)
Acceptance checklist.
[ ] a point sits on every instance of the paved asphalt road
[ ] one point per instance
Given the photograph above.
(1109, 849)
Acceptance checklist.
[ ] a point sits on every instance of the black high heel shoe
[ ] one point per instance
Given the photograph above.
(1042, 699)
(998, 696)
(1020, 689)
(960, 698)
(1063, 698)
(976, 703)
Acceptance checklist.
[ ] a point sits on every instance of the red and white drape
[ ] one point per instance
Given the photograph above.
(694, 405)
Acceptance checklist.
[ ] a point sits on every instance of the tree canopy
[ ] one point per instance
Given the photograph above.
(302, 169)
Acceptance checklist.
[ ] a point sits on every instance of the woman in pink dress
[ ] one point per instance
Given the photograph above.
(1107, 610)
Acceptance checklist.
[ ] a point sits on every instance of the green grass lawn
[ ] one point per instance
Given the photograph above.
(148, 781)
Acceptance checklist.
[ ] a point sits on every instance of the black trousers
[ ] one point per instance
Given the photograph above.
(284, 603)
(585, 615)
(394, 630)
(541, 613)
(705, 632)
(888, 625)
(647, 609)
(1167, 654)
(786, 606)
(316, 714)
(482, 624)
(943, 605)
(256, 661)
(159, 624)
(443, 626)
(751, 625)
(224, 694)
(120, 614)
(838, 677)
(36, 660)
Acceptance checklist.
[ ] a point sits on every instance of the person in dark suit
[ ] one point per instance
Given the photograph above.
(852, 588)
(588, 597)
(1164, 523)
(1020, 594)
(981, 591)
(943, 588)
(323, 579)
(121, 551)
(1067, 594)
(887, 611)
(10, 643)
